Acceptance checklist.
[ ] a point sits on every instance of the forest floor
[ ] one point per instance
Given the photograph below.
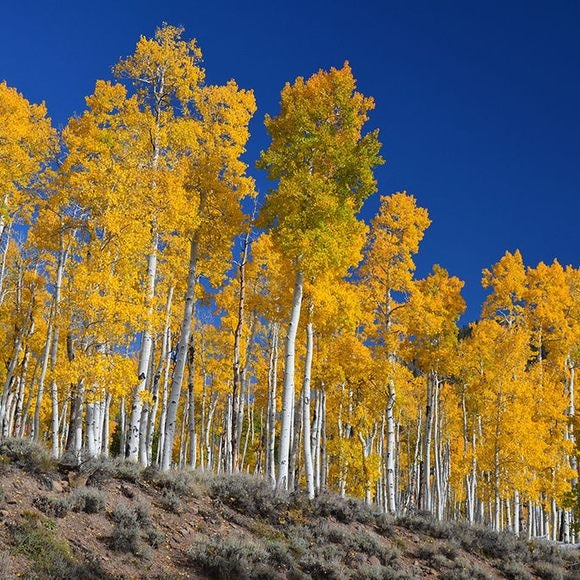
(110, 519)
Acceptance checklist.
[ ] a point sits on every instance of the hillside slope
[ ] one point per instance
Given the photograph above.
(110, 519)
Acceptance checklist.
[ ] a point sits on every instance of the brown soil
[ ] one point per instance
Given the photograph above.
(89, 535)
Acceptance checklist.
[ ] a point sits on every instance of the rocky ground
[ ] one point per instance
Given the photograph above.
(110, 519)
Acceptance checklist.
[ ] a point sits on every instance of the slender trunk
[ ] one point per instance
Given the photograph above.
(249, 434)
(412, 500)
(75, 439)
(178, 371)
(437, 454)
(243, 393)
(323, 446)
(293, 464)
(517, 514)
(18, 427)
(288, 394)
(163, 360)
(62, 258)
(237, 369)
(106, 425)
(315, 439)
(182, 439)
(208, 431)
(191, 408)
(161, 441)
(306, 407)
(426, 468)
(90, 429)
(132, 452)
(392, 506)
(271, 418)
(43, 369)
(122, 431)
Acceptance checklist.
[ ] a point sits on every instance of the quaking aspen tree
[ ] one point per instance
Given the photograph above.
(387, 273)
(323, 166)
(215, 185)
(436, 305)
(166, 73)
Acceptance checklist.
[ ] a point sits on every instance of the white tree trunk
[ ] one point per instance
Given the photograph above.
(161, 442)
(144, 362)
(517, 514)
(106, 425)
(323, 454)
(43, 369)
(288, 394)
(306, 409)
(426, 470)
(178, 371)
(391, 500)
(271, 417)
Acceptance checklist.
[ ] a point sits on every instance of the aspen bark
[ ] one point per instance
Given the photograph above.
(61, 261)
(106, 425)
(426, 468)
(306, 408)
(391, 500)
(161, 442)
(288, 394)
(294, 462)
(144, 361)
(192, 460)
(164, 362)
(323, 446)
(271, 415)
(237, 369)
(178, 371)
(43, 369)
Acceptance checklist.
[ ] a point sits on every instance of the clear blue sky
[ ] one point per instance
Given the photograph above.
(478, 103)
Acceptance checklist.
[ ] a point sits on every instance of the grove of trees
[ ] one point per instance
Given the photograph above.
(147, 311)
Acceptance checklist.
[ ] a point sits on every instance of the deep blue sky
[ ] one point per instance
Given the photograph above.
(478, 104)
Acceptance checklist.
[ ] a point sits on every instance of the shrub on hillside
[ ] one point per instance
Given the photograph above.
(469, 572)
(426, 524)
(378, 572)
(132, 524)
(498, 545)
(127, 531)
(102, 469)
(231, 557)
(353, 540)
(171, 502)
(515, 570)
(541, 551)
(87, 499)
(549, 571)
(249, 495)
(27, 455)
(182, 483)
(384, 524)
(345, 510)
(324, 561)
(36, 539)
(82, 499)
(446, 558)
(54, 507)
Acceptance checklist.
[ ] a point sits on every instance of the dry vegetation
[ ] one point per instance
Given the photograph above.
(111, 519)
